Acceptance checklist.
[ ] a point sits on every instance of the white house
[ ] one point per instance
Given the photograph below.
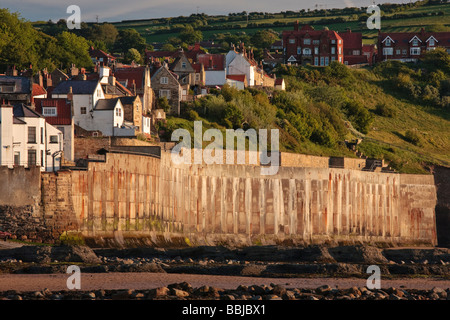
(26, 139)
(214, 66)
(91, 111)
(238, 64)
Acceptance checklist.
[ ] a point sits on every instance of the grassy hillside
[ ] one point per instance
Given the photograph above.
(402, 112)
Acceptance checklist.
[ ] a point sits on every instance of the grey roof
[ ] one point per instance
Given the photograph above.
(106, 104)
(128, 99)
(22, 84)
(18, 121)
(22, 111)
(78, 87)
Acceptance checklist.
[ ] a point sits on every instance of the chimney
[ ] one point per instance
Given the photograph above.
(112, 80)
(197, 46)
(70, 94)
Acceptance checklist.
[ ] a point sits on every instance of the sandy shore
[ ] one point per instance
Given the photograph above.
(142, 281)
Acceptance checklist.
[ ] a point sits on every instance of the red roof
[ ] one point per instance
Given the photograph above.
(237, 77)
(100, 54)
(352, 40)
(38, 90)
(212, 62)
(131, 75)
(279, 81)
(197, 67)
(369, 48)
(63, 110)
(314, 34)
(403, 38)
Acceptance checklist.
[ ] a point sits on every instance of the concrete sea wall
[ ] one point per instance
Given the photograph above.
(132, 199)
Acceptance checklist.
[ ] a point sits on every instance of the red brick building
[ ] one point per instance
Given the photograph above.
(410, 46)
(309, 46)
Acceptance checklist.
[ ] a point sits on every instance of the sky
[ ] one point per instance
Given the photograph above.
(118, 10)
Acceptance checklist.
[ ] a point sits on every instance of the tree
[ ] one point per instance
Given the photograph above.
(105, 32)
(75, 50)
(264, 39)
(190, 36)
(168, 47)
(129, 38)
(133, 55)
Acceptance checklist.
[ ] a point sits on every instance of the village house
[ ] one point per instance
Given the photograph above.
(91, 110)
(16, 89)
(242, 62)
(26, 139)
(214, 66)
(165, 84)
(315, 47)
(138, 81)
(410, 46)
(58, 113)
(101, 57)
(132, 108)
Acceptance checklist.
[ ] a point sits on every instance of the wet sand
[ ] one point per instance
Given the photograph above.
(143, 281)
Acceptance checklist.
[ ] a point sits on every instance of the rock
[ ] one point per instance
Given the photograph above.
(242, 288)
(159, 292)
(38, 295)
(278, 290)
(355, 291)
(16, 297)
(272, 297)
(253, 270)
(122, 295)
(139, 295)
(202, 290)
(90, 295)
(433, 296)
(228, 297)
(323, 289)
(394, 297)
(179, 293)
(312, 298)
(181, 286)
(440, 292)
(256, 290)
(288, 295)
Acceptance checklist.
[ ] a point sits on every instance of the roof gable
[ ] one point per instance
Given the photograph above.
(415, 37)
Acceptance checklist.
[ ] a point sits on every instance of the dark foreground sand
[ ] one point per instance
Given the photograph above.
(142, 281)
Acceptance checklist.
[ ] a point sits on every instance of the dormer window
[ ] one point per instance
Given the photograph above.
(431, 43)
(415, 42)
(388, 42)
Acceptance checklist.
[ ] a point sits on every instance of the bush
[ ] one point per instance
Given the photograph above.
(413, 136)
(359, 116)
(192, 115)
(385, 110)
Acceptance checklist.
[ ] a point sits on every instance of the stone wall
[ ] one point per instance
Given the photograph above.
(144, 199)
(20, 186)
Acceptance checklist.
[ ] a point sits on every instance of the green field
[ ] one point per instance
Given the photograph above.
(155, 31)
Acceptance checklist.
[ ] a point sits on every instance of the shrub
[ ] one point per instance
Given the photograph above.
(413, 136)
(359, 116)
(385, 110)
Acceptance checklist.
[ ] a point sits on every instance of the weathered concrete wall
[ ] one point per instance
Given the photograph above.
(137, 197)
(20, 186)
(442, 179)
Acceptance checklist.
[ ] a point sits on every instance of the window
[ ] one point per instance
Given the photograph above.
(431, 42)
(316, 50)
(164, 80)
(321, 61)
(164, 93)
(54, 139)
(118, 112)
(306, 51)
(316, 61)
(306, 41)
(333, 50)
(183, 65)
(42, 158)
(327, 61)
(197, 77)
(397, 51)
(339, 41)
(333, 41)
(415, 51)
(7, 88)
(17, 158)
(388, 42)
(340, 50)
(99, 92)
(415, 42)
(316, 41)
(356, 52)
(388, 51)
(333, 58)
(404, 52)
(291, 41)
(83, 110)
(31, 157)
(299, 50)
(42, 135)
(49, 112)
(31, 134)
(340, 59)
